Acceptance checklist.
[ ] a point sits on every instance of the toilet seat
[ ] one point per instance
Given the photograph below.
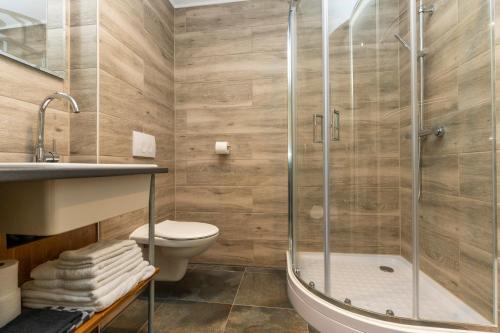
(173, 233)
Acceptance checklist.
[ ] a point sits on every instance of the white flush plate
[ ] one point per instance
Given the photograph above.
(143, 145)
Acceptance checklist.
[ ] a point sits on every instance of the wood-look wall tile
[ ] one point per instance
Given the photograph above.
(476, 279)
(120, 99)
(223, 172)
(376, 172)
(474, 81)
(84, 88)
(377, 200)
(165, 13)
(238, 120)
(83, 12)
(477, 124)
(213, 94)
(180, 20)
(441, 214)
(16, 120)
(154, 24)
(473, 29)
(439, 258)
(159, 83)
(230, 252)
(231, 67)
(264, 146)
(476, 176)
(83, 46)
(120, 227)
(41, 85)
(270, 92)
(115, 135)
(270, 253)
(83, 134)
(120, 61)
(268, 199)
(213, 43)
(214, 199)
(269, 38)
(440, 174)
(124, 20)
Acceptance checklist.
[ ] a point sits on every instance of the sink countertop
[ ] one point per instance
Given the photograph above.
(17, 172)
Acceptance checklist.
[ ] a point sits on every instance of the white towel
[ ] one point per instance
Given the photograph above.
(95, 253)
(31, 290)
(87, 284)
(50, 270)
(96, 305)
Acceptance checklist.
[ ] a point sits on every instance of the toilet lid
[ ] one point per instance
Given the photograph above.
(179, 230)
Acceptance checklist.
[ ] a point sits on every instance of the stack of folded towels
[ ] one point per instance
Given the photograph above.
(91, 278)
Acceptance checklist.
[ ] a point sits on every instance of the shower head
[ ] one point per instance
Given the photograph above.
(402, 41)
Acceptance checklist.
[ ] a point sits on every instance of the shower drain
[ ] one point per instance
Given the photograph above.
(386, 269)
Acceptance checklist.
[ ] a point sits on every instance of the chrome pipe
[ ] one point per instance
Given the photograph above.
(326, 142)
(151, 251)
(415, 153)
(291, 133)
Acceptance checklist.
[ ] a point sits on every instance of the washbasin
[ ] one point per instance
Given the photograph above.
(71, 166)
(52, 206)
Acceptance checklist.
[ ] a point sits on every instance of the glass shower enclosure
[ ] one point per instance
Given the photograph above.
(392, 166)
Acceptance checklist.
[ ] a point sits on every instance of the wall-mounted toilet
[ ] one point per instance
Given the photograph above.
(175, 244)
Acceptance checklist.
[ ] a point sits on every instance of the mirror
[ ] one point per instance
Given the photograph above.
(34, 33)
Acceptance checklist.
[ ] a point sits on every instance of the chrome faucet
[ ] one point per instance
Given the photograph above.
(40, 155)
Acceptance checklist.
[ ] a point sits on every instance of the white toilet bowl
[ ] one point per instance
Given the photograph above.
(175, 244)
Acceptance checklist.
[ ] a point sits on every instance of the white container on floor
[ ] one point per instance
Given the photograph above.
(10, 306)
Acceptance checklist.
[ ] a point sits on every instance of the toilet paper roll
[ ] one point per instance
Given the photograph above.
(8, 276)
(10, 306)
(222, 148)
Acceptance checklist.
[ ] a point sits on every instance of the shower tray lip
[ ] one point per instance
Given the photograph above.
(326, 314)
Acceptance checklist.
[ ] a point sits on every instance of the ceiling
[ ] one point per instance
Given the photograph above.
(192, 3)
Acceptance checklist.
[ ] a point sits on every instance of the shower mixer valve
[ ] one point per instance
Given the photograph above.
(437, 131)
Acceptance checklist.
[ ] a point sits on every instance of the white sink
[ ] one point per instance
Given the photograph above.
(72, 166)
(49, 207)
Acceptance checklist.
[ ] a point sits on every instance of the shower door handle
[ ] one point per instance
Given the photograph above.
(317, 121)
(335, 125)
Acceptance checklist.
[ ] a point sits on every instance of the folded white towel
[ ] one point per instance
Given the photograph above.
(88, 284)
(96, 305)
(96, 252)
(31, 290)
(50, 270)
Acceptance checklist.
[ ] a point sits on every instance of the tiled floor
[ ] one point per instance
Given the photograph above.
(216, 299)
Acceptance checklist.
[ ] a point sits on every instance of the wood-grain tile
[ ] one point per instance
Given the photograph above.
(213, 94)
(208, 43)
(120, 61)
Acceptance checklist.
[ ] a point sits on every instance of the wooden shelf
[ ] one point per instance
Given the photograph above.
(101, 319)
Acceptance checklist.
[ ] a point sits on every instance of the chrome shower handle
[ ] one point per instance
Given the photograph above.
(317, 120)
(335, 125)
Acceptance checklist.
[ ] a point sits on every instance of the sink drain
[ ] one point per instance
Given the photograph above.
(386, 269)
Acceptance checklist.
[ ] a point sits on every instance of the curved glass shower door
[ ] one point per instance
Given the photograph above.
(410, 155)
(308, 144)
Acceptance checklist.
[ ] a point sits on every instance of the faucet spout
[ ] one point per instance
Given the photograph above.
(39, 148)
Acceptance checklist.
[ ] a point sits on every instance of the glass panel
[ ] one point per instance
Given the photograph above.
(368, 268)
(456, 225)
(34, 33)
(308, 147)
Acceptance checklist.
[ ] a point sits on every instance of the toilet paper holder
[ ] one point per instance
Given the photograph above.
(222, 148)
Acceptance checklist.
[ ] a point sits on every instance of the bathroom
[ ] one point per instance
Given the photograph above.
(311, 165)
